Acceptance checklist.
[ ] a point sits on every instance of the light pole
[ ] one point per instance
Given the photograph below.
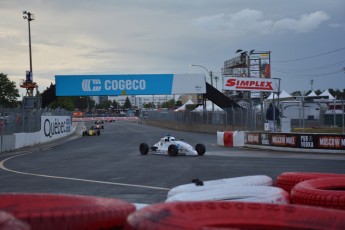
(29, 16)
(211, 76)
(209, 72)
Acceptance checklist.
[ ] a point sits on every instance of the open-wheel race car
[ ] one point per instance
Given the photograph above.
(98, 125)
(169, 146)
(92, 132)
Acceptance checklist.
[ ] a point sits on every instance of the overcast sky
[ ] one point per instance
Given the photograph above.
(306, 38)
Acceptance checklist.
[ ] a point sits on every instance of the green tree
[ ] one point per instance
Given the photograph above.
(298, 93)
(8, 92)
(104, 105)
(148, 105)
(127, 104)
(169, 104)
(115, 104)
(63, 102)
(318, 92)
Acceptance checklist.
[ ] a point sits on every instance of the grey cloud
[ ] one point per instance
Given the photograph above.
(248, 21)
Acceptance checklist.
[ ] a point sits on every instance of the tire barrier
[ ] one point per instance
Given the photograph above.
(9, 222)
(234, 215)
(325, 192)
(288, 180)
(256, 180)
(257, 194)
(230, 138)
(53, 211)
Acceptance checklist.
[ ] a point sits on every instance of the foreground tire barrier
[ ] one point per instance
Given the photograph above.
(9, 222)
(234, 215)
(257, 194)
(256, 180)
(288, 180)
(52, 211)
(326, 192)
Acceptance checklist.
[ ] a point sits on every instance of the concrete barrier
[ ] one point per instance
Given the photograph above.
(230, 138)
(52, 128)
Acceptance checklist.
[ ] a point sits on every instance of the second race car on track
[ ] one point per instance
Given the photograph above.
(92, 132)
(169, 146)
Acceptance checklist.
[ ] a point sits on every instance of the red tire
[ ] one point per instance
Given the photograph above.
(234, 215)
(288, 180)
(9, 222)
(53, 211)
(326, 192)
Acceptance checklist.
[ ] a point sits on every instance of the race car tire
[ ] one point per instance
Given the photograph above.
(9, 222)
(84, 133)
(324, 192)
(98, 132)
(56, 211)
(255, 180)
(172, 150)
(201, 149)
(144, 148)
(288, 180)
(234, 215)
(257, 194)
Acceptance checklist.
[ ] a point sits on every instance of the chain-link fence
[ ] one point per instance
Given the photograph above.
(17, 120)
(250, 119)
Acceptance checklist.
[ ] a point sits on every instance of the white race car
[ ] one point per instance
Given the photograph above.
(169, 146)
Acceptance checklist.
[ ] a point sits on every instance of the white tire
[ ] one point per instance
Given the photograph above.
(257, 180)
(257, 194)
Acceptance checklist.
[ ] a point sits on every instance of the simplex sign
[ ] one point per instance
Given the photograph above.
(135, 84)
(251, 84)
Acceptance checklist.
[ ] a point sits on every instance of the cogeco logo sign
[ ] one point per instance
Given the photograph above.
(56, 127)
(125, 85)
(95, 85)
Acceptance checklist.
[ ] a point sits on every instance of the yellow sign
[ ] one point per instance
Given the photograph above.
(124, 92)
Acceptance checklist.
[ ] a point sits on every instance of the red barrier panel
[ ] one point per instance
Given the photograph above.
(229, 138)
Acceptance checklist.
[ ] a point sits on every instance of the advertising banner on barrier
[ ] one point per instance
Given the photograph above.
(250, 84)
(135, 84)
(304, 141)
(54, 127)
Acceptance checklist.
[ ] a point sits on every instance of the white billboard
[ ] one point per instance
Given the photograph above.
(251, 84)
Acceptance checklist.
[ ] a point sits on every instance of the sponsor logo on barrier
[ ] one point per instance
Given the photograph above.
(253, 138)
(264, 139)
(331, 142)
(55, 127)
(282, 140)
(307, 141)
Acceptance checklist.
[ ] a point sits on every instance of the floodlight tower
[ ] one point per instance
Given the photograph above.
(28, 83)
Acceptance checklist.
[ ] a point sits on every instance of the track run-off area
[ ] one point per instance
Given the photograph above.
(110, 165)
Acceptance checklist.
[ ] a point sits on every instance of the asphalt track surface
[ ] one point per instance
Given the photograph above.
(110, 165)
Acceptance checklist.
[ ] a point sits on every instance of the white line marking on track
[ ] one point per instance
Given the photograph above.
(2, 166)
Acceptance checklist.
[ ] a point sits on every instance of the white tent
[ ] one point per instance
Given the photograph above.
(327, 93)
(208, 107)
(183, 107)
(270, 97)
(312, 94)
(283, 94)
